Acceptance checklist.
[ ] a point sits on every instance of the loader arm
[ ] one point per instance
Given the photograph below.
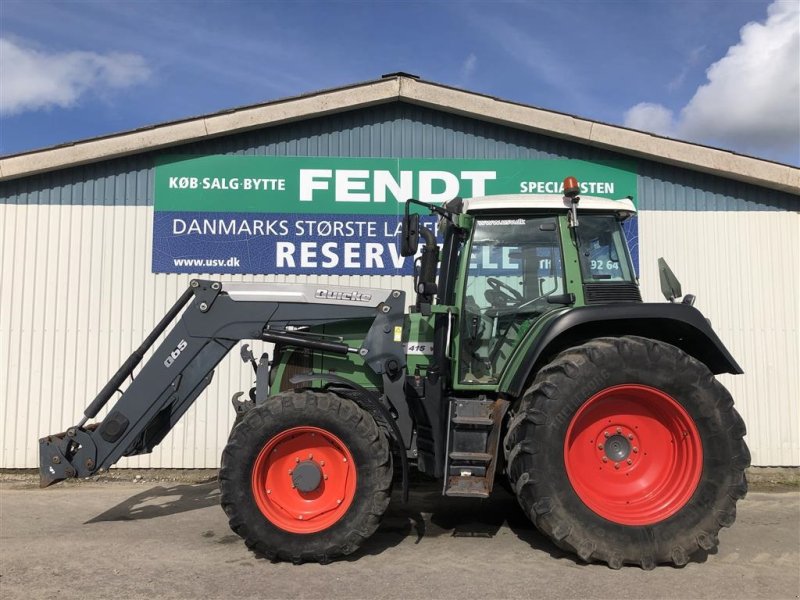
(216, 318)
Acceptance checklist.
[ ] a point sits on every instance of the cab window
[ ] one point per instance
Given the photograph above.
(602, 248)
(515, 270)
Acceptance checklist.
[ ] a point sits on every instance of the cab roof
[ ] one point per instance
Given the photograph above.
(528, 202)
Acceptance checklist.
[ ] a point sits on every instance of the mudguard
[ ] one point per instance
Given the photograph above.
(681, 325)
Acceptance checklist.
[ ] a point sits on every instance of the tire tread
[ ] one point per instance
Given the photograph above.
(538, 411)
(306, 402)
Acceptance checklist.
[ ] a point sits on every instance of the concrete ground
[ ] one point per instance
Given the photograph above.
(171, 540)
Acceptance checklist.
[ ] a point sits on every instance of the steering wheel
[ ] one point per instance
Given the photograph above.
(534, 308)
(506, 291)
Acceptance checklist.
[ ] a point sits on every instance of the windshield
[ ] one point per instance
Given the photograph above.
(515, 273)
(603, 250)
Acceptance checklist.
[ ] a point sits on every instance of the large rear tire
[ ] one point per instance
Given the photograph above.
(627, 450)
(306, 477)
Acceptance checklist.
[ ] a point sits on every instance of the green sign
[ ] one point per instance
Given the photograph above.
(291, 215)
(369, 186)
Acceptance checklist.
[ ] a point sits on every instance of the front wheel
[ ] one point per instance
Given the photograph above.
(627, 450)
(306, 477)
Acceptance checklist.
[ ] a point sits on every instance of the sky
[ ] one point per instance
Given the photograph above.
(724, 73)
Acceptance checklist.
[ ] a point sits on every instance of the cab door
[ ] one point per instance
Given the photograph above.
(514, 271)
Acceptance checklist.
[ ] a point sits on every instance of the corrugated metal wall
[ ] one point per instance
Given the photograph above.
(77, 295)
(743, 268)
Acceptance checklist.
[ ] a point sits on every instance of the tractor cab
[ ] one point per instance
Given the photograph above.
(510, 261)
(515, 271)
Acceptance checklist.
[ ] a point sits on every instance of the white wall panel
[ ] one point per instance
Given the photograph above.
(77, 296)
(744, 268)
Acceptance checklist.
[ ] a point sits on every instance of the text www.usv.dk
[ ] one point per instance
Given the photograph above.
(206, 262)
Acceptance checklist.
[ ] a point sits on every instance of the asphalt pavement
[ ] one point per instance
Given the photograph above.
(151, 540)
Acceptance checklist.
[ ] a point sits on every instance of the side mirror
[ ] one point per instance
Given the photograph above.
(670, 286)
(409, 235)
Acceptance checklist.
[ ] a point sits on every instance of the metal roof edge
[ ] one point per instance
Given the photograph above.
(640, 144)
(401, 86)
(189, 130)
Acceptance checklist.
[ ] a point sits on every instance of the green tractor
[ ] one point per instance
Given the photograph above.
(528, 354)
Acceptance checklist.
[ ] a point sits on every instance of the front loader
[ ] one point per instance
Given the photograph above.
(528, 354)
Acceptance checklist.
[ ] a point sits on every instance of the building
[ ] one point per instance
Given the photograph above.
(81, 229)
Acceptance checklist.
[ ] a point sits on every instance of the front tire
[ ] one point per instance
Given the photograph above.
(305, 477)
(627, 450)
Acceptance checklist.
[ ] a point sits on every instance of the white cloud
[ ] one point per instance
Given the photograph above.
(468, 68)
(753, 93)
(751, 101)
(34, 79)
(650, 117)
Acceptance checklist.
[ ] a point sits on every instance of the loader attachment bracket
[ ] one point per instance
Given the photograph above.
(59, 452)
(382, 349)
(205, 292)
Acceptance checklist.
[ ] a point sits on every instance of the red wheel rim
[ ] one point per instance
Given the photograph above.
(293, 462)
(633, 455)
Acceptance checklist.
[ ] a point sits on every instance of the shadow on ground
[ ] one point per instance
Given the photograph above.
(161, 501)
(428, 514)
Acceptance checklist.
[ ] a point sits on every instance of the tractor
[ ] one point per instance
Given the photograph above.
(527, 356)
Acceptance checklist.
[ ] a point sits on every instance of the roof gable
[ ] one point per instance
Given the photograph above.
(405, 88)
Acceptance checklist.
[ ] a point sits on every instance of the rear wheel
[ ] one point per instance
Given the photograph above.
(627, 450)
(306, 477)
